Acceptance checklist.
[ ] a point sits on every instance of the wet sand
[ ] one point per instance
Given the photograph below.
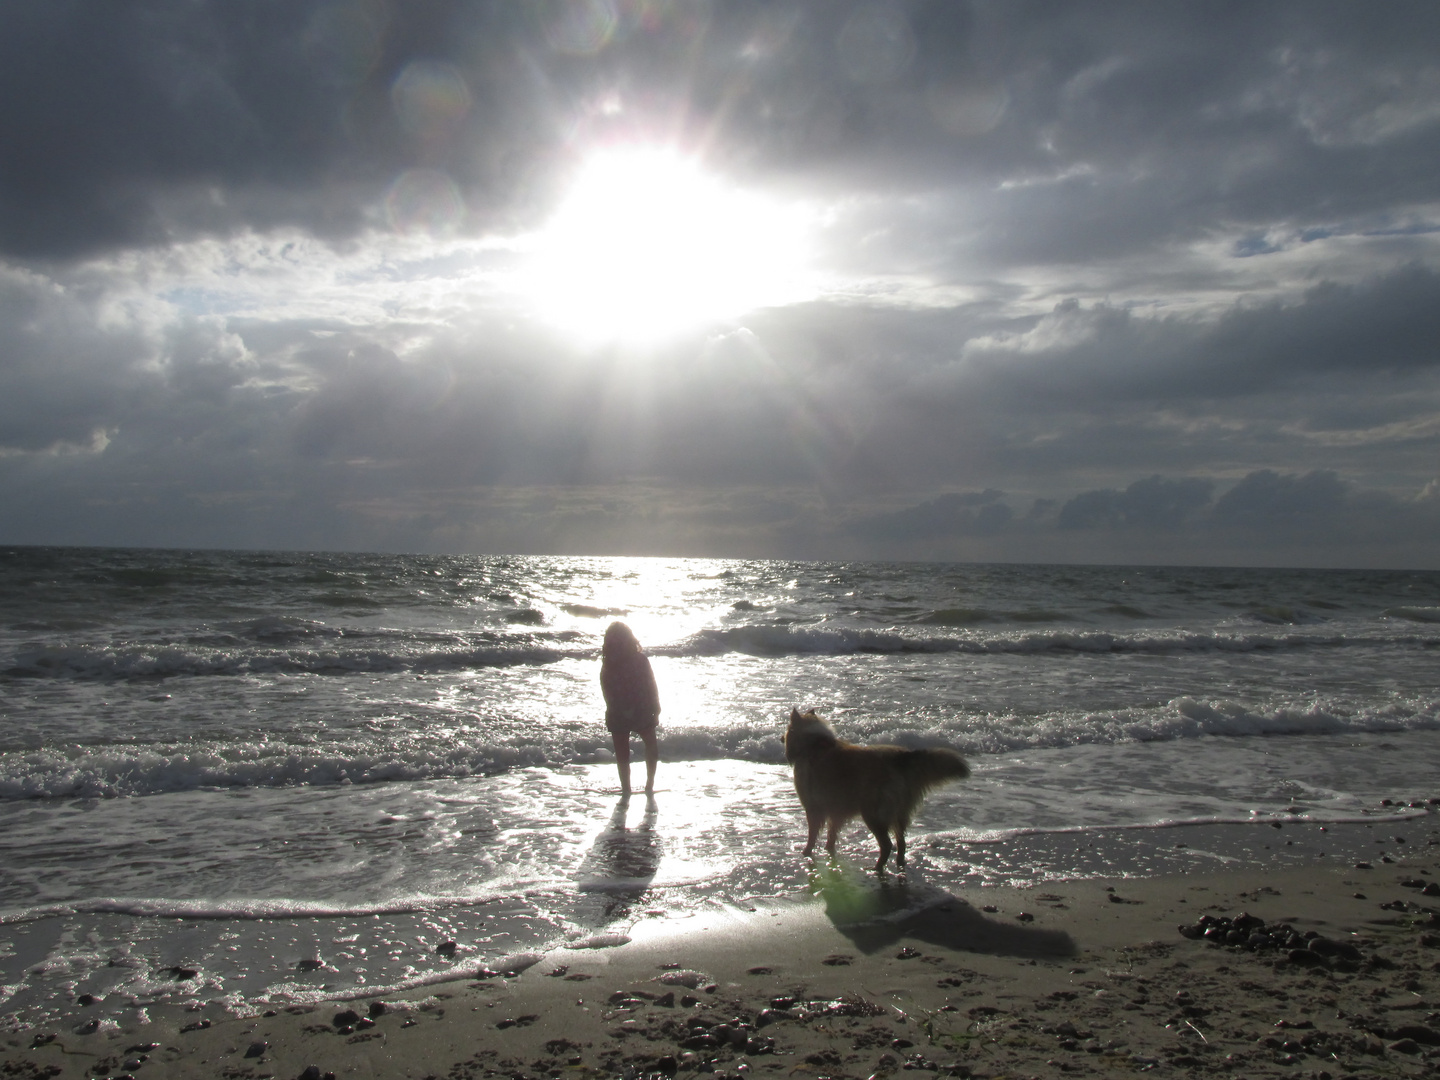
(1068, 978)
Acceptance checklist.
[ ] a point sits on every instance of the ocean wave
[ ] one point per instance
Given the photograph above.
(1414, 614)
(283, 645)
(768, 640)
(164, 661)
(1313, 816)
(128, 770)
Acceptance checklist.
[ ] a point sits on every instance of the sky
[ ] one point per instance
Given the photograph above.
(963, 280)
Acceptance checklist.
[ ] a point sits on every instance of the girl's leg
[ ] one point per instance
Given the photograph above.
(622, 759)
(652, 756)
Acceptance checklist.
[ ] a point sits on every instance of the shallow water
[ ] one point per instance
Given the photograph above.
(298, 775)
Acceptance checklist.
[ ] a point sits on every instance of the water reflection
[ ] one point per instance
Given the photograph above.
(621, 864)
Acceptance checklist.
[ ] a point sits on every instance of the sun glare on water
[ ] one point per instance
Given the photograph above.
(647, 245)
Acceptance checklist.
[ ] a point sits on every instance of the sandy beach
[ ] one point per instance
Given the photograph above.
(1342, 978)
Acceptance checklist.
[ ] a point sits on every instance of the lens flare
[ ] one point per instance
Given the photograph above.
(430, 98)
(580, 27)
(424, 201)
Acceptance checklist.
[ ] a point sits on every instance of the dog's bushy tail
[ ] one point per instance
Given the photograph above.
(928, 769)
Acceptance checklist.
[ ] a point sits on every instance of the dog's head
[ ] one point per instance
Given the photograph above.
(806, 734)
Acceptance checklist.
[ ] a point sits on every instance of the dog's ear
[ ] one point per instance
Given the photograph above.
(794, 714)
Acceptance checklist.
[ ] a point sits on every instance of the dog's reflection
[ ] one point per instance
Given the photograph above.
(620, 866)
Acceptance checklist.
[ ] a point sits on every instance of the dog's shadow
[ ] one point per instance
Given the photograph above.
(877, 912)
(621, 864)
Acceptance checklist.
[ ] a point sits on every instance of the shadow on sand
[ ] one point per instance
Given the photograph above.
(877, 912)
(618, 870)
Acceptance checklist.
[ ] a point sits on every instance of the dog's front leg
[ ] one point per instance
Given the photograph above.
(813, 821)
(832, 834)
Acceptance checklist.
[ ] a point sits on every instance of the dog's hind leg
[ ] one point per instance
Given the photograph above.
(832, 834)
(882, 837)
(900, 844)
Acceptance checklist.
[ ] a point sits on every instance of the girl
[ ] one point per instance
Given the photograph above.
(632, 701)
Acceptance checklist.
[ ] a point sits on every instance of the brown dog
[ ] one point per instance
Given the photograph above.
(882, 785)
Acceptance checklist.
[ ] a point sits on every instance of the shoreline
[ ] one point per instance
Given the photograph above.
(1089, 977)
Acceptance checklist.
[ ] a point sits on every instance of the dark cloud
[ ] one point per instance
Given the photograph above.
(134, 123)
(981, 513)
(1153, 503)
(1112, 281)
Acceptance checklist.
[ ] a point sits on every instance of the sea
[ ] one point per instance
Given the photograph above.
(237, 781)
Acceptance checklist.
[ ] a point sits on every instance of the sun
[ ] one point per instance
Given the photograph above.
(647, 245)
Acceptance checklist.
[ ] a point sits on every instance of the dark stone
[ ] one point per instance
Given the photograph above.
(1329, 947)
(1306, 958)
(377, 1008)
(310, 1072)
(666, 1064)
(446, 948)
(86, 999)
(346, 1018)
(770, 1016)
(257, 1048)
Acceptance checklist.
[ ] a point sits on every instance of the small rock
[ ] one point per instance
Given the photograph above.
(257, 1048)
(907, 953)
(1364, 866)
(1025, 916)
(86, 999)
(1405, 1046)
(346, 1018)
(446, 949)
(310, 1072)
(377, 1008)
